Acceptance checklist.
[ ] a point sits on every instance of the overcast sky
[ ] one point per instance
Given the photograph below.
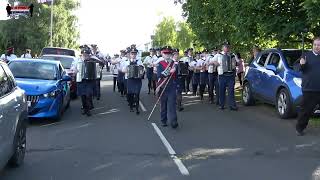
(116, 24)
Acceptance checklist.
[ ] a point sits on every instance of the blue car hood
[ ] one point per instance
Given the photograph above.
(36, 86)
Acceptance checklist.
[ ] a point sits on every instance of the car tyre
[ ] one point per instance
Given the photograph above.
(247, 96)
(284, 104)
(19, 145)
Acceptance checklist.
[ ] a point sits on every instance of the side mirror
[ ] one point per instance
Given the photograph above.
(271, 68)
(66, 78)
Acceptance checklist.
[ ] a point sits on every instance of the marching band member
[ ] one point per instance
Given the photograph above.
(115, 70)
(122, 62)
(188, 61)
(148, 62)
(86, 78)
(9, 55)
(203, 72)
(134, 84)
(195, 68)
(213, 78)
(100, 56)
(166, 71)
(180, 80)
(227, 72)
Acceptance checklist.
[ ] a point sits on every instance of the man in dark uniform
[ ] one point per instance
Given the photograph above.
(167, 83)
(148, 62)
(226, 63)
(86, 78)
(310, 68)
(134, 84)
(213, 78)
(203, 73)
(8, 9)
(195, 69)
(180, 80)
(190, 75)
(100, 65)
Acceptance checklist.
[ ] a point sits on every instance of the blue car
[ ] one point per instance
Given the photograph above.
(274, 77)
(45, 84)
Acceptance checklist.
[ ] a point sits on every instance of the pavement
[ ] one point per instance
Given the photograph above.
(115, 144)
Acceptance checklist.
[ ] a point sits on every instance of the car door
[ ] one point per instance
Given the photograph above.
(18, 102)
(7, 104)
(258, 74)
(272, 79)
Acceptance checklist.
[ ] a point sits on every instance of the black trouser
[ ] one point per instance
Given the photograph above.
(133, 101)
(151, 85)
(188, 80)
(240, 78)
(115, 83)
(179, 100)
(87, 103)
(202, 89)
(98, 89)
(309, 102)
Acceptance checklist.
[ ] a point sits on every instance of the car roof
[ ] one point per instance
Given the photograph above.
(36, 60)
(58, 55)
(59, 48)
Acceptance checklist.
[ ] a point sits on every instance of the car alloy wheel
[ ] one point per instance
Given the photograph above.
(282, 103)
(20, 146)
(245, 95)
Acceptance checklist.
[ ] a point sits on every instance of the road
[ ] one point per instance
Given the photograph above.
(252, 143)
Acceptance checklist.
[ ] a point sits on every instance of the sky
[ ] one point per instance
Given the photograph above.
(116, 24)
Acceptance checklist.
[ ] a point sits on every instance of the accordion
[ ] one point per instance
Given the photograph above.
(183, 69)
(228, 64)
(135, 71)
(90, 70)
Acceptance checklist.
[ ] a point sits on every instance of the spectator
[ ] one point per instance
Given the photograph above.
(7, 57)
(240, 68)
(27, 54)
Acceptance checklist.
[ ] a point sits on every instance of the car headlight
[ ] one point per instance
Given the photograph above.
(297, 81)
(50, 94)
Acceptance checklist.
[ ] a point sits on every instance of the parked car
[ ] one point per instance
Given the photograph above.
(13, 118)
(273, 78)
(67, 63)
(58, 51)
(45, 84)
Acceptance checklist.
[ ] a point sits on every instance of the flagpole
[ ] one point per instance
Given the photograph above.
(51, 24)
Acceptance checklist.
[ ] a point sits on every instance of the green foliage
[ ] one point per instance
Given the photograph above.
(267, 23)
(34, 32)
(175, 34)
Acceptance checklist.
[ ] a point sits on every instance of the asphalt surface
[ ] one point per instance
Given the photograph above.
(252, 143)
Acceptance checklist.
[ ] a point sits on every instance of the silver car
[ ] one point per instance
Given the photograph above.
(13, 119)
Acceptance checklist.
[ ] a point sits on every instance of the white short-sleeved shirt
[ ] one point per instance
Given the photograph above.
(9, 58)
(127, 63)
(27, 55)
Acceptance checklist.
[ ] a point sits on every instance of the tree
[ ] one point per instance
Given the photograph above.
(34, 32)
(175, 34)
(268, 23)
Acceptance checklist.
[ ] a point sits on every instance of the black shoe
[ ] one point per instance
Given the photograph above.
(234, 108)
(149, 92)
(137, 112)
(210, 101)
(175, 126)
(89, 113)
(131, 110)
(181, 109)
(300, 133)
(221, 108)
(164, 124)
(83, 112)
(98, 98)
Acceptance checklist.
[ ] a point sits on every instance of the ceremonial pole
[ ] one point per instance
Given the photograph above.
(51, 26)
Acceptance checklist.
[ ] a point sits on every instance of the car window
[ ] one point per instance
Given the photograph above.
(65, 61)
(5, 86)
(59, 51)
(33, 70)
(10, 76)
(274, 59)
(292, 57)
(263, 58)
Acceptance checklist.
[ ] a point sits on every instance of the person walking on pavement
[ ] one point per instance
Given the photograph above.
(9, 55)
(226, 63)
(309, 66)
(240, 69)
(27, 54)
(134, 84)
(167, 88)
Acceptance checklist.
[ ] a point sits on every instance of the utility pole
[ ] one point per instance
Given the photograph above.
(51, 26)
